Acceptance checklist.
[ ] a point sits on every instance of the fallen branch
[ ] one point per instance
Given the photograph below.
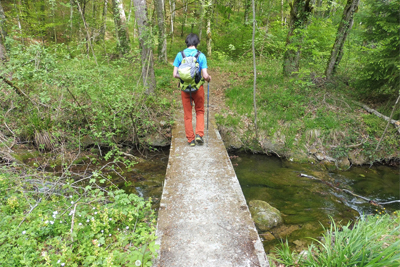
(37, 203)
(370, 201)
(373, 111)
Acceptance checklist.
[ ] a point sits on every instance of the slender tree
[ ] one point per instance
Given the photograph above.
(162, 40)
(254, 69)
(3, 53)
(344, 28)
(120, 25)
(208, 17)
(172, 18)
(300, 11)
(201, 18)
(149, 80)
(104, 22)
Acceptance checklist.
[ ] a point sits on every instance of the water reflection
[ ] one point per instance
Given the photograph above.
(306, 204)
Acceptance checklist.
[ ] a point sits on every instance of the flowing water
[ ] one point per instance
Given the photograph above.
(307, 204)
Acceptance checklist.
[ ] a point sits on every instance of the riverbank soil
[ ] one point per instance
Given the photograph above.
(301, 119)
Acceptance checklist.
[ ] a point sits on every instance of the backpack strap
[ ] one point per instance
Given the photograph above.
(183, 54)
(197, 55)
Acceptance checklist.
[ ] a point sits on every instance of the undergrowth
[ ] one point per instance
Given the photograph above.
(370, 241)
(66, 221)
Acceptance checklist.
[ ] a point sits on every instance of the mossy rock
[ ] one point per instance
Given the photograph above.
(264, 215)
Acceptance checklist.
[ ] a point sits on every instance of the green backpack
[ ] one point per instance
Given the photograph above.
(189, 73)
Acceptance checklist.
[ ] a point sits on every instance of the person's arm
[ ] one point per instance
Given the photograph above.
(175, 73)
(205, 75)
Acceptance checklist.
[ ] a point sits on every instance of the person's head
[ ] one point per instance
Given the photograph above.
(192, 40)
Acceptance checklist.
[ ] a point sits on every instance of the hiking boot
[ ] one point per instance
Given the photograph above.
(199, 139)
(193, 143)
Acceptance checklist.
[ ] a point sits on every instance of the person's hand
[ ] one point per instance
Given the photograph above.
(208, 78)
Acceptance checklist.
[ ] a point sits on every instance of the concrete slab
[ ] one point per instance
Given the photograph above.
(203, 218)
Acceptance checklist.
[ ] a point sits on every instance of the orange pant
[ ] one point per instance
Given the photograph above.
(198, 99)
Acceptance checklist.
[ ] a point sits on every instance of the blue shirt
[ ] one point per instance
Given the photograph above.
(188, 53)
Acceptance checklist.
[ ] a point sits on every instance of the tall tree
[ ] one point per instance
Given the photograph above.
(343, 31)
(201, 18)
(254, 69)
(162, 40)
(120, 25)
(247, 5)
(3, 53)
(104, 22)
(149, 80)
(300, 11)
(172, 17)
(208, 17)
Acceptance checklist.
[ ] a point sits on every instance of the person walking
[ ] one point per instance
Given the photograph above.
(192, 41)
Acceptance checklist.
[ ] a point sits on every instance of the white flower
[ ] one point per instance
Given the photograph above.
(72, 202)
(87, 220)
(23, 232)
(118, 229)
(54, 216)
(80, 223)
(94, 208)
(138, 263)
(80, 215)
(51, 222)
(60, 221)
(92, 218)
(98, 245)
(55, 212)
(63, 264)
(46, 222)
(70, 196)
(110, 219)
(109, 235)
(95, 212)
(102, 231)
(127, 227)
(58, 261)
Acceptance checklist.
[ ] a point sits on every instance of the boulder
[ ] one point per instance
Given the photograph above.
(264, 215)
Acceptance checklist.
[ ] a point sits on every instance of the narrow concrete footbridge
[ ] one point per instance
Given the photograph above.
(203, 218)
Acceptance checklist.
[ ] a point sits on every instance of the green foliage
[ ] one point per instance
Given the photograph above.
(75, 226)
(371, 241)
(104, 102)
(380, 69)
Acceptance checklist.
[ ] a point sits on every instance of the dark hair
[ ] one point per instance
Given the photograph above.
(192, 39)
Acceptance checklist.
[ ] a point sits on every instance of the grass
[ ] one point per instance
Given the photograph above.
(290, 108)
(370, 241)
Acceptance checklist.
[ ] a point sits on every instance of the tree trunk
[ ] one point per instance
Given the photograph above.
(172, 17)
(282, 23)
(130, 10)
(162, 40)
(247, 4)
(120, 25)
(344, 28)
(104, 25)
(71, 16)
(201, 18)
(185, 15)
(149, 80)
(254, 70)
(208, 15)
(3, 31)
(89, 42)
(300, 11)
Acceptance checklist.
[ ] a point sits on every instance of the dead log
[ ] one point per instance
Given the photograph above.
(380, 115)
(370, 201)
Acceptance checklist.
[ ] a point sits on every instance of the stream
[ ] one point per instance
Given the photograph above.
(306, 205)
